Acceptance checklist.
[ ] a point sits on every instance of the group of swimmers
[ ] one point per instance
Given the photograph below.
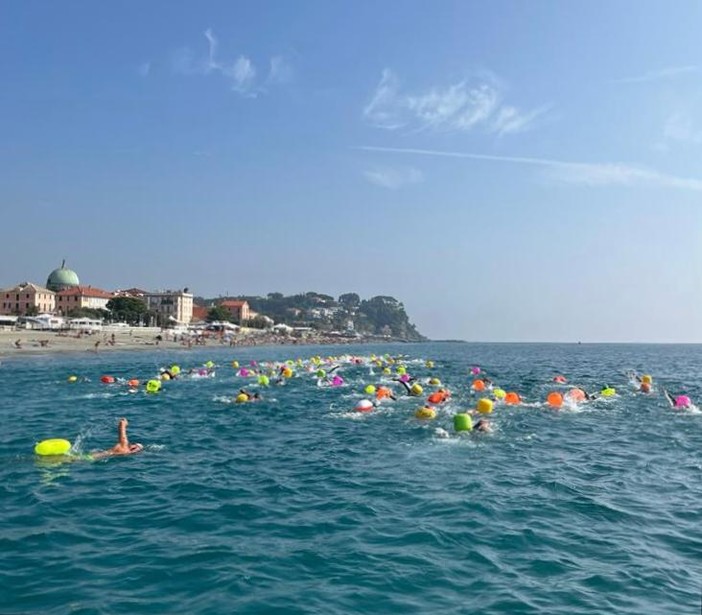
(394, 382)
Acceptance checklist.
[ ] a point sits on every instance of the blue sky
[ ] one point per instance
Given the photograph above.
(511, 171)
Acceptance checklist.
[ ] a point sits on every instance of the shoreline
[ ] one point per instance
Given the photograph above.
(32, 342)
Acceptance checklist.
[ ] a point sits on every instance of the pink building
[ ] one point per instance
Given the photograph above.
(27, 297)
(239, 310)
(82, 297)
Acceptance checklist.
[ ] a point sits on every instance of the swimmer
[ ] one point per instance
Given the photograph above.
(483, 425)
(678, 402)
(251, 396)
(122, 447)
(412, 391)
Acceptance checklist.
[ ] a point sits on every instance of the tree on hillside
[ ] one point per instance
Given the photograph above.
(218, 313)
(350, 301)
(127, 309)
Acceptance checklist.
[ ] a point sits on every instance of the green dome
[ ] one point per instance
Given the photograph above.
(62, 278)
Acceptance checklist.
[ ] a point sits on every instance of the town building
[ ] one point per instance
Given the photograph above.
(178, 304)
(239, 310)
(78, 297)
(199, 313)
(27, 298)
(62, 279)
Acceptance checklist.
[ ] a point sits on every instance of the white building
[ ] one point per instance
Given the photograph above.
(175, 303)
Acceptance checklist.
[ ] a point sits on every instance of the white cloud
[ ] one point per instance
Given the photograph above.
(510, 120)
(394, 178)
(593, 174)
(144, 69)
(280, 71)
(461, 106)
(241, 74)
(657, 75)
(679, 126)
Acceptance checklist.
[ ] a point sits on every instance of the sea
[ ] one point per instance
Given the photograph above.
(298, 504)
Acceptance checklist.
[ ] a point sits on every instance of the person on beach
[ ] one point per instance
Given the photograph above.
(122, 447)
(18, 344)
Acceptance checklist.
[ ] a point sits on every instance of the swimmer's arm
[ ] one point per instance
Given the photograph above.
(123, 440)
(669, 397)
(404, 384)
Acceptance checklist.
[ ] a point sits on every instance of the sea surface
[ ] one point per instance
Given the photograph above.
(298, 504)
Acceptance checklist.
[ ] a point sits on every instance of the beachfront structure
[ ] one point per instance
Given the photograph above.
(199, 313)
(178, 304)
(27, 298)
(44, 322)
(79, 297)
(239, 310)
(62, 279)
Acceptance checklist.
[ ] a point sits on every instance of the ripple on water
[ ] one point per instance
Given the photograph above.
(298, 504)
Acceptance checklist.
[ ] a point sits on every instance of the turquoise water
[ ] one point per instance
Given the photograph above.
(296, 504)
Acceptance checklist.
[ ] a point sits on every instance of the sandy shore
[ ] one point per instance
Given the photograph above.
(22, 342)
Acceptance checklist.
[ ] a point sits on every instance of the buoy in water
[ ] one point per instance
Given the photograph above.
(54, 446)
(554, 399)
(153, 386)
(462, 422)
(478, 385)
(364, 405)
(682, 401)
(512, 398)
(425, 413)
(484, 405)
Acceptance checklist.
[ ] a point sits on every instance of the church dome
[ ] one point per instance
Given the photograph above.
(62, 278)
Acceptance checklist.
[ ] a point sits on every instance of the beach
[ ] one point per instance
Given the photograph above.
(23, 342)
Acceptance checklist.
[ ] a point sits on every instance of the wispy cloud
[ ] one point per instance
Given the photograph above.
(660, 74)
(241, 73)
(460, 106)
(679, 126)
(144, 69)
(594, 174)
(279, 71)
(394, 178)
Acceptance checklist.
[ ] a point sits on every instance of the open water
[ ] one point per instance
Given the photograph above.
(297, 504)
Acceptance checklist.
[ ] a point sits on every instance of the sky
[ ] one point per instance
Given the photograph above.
(509, 170)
